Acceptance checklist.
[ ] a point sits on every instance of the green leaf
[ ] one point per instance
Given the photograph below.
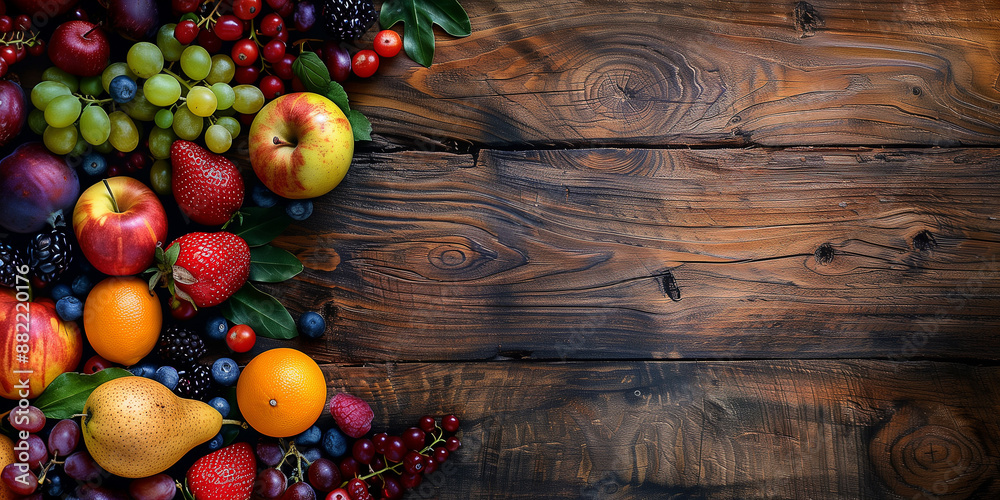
(360, 126)
(418, 18)
(66, 395)
(336, 93)
(272, 265)
(267, 317)
(261, 225)
(312, 72)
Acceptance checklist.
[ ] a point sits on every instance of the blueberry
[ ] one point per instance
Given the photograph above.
(312, 324)
(216, 442)
(167, 375)
(311, 454)
(216, 328)
(94, 164)
(309, 437)
(225, 371)
(122, 89)
(55, 487)
(221, 404)
(69, 308)
(299, 209)
(143, 370)
(82, 285)
(60, 290)
(262, 196)
(334, 443)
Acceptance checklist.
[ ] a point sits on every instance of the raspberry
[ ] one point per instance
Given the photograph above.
(352, 414)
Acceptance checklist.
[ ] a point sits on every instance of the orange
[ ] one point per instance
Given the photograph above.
(7, 457)
(122, 319)
(281, 392)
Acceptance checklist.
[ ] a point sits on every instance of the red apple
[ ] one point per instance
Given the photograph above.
(118, 223)
(35, 345)
(13, 110)
(301, 145)
(79, 48)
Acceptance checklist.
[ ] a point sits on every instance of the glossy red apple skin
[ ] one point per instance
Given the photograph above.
(53, 346)
(119, 243)
(301, 145)
(13, 111)
(76, 47)
(34, 185)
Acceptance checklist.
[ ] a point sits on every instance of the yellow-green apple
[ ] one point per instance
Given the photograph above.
(301, 145)
(118, 223)
(35, 345)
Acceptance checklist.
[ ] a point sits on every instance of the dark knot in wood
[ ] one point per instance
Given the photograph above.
(928, 452)
(924, 241)
(824, 254)
(807, 20)
(668, 285)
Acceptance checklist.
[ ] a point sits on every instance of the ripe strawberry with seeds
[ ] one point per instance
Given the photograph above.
(225, 474)
(204, 268)
(208, 187)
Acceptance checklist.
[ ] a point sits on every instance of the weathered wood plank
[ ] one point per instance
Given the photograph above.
(646, 73)
(713, 430)
(656, 254)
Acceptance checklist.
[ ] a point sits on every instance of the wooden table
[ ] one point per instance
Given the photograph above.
(646, 249)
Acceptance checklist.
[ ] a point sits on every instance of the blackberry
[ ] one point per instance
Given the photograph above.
(50, 254)
(194, 382)
(10, 261)
(347, 20)
(180, 346)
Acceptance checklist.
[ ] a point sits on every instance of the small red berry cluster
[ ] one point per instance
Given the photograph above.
(18, 39)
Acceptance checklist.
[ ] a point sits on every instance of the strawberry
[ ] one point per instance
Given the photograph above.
(208, 187)
(204, 268)
(225, 474)
(352, 414)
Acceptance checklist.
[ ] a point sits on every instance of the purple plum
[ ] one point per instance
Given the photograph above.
(34, 185)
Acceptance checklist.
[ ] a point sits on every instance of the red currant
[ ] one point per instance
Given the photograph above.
(228, 28)
(3, 67)
(37, 49)
(186, 31)
(365, 63)
(430, 465)
(246, 75)
(413, 462)
(414, 438)
(283, 67)
(441, 454)
(363, 451)
(246, 9)
(282, 35)
(271, 86)
(273, 51)
(286, 10)
(95, 364)
(449, 423)
(6, 24)
(277, 4)
(9, 54)
(79, 14)
(452, 443)
(244, 52)
(395, 449)
(21, 52)
(349, 467)
(410, 481)
(427, 423)
(391, 489)
(209, 41)
(380, 440)
(185, 6)
(271, 24)
(241, 338)
(22, 22)
(387, 43)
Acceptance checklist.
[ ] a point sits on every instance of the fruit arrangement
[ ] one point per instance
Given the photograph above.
(133, 233)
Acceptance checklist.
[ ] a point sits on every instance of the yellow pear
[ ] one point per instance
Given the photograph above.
(136, 427)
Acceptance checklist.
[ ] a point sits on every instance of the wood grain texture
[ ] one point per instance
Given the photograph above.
(640, 254)
(718, 72)
(712, 430)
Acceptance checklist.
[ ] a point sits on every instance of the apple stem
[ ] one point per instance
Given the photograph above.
(91, 30)
(278, 142)
(114, 203)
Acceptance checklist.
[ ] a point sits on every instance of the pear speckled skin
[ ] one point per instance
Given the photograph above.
(136, 427)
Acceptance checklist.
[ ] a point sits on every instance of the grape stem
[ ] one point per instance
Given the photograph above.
(392, 468)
